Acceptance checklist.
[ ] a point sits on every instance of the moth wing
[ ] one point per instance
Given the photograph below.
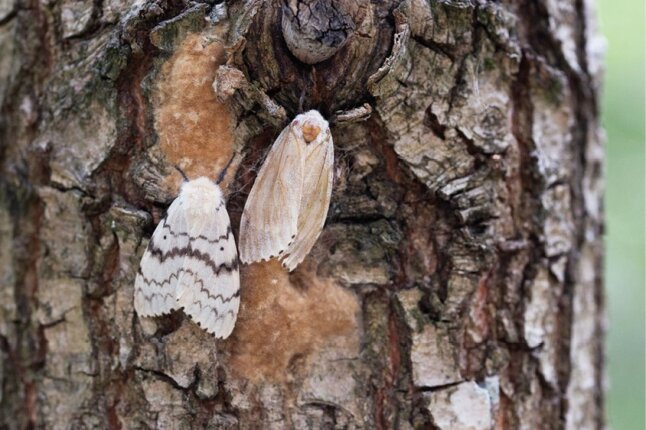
(162, 265)
(270, 217)
(209, 287)
(317, 191)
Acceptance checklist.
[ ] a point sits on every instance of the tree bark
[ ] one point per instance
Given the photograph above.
(457, 283)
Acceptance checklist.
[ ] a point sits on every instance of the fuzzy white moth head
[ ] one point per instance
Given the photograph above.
(197, 188)
(311, 127)
(194, 191)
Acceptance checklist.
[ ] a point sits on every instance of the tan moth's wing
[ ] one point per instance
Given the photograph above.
(317, 190)
(270, 217)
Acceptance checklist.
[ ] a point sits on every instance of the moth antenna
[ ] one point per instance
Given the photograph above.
(301, 100)
(181, 172)
(223, 173)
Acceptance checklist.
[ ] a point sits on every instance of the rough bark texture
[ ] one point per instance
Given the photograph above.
(457, 284)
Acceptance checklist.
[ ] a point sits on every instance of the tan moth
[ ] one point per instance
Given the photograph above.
(191, 261)
(288, 203)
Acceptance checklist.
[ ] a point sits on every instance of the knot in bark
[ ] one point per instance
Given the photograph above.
(315, 30)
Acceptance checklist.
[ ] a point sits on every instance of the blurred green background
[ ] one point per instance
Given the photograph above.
(622, 23)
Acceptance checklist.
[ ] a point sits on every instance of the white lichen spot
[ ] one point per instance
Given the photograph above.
(429, 341)
(581, 388)
(164, 401)
(76, 17)
(552, 122)
(563, 22)
(540, 323)
(537, 309)
(331, 380)
(559, 224)
(466, 406)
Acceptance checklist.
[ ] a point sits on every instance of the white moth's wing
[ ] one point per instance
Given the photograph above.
(270, 217)
(209, 287)
(317, 191)
(162, 265)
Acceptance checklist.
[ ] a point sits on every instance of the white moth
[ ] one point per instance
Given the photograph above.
(191, 262)
(286, 208)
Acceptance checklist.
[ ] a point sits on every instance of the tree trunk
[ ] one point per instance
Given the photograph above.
(457, 283)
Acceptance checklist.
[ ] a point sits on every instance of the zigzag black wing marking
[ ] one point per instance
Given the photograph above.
(209, 289)
(156, 282)
(211, 300)
(192, 262)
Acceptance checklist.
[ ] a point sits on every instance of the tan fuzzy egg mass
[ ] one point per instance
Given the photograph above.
(195, 130)
(283, 321)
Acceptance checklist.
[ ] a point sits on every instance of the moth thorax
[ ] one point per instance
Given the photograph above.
(310, 131)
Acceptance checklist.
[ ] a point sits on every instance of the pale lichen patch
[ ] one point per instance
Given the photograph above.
(563, 22)
(165, 402)
(541, 321)
(429, 340)
(584, 378)
(67, 381)
(76, 16)
(80, 144)
(185, 350)
(332, 379)
(552, 122)
(559, 224)
(8, 306)
(64, 235)
(466, 406)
